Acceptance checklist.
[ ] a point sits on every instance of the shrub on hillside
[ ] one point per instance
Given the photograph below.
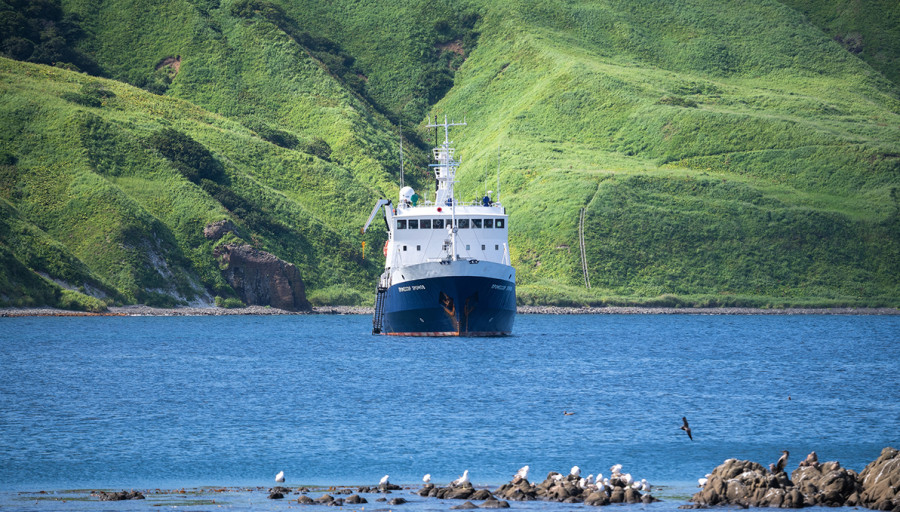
(90, 95)
(188, 156)
(318, 147)
(273, 135)
(230, 302)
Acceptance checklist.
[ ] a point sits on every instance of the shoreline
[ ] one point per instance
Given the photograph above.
(141, 310)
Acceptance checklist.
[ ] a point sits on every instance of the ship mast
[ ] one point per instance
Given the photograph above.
(445, 174)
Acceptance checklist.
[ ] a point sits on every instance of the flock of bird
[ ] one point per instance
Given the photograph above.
(589, 482)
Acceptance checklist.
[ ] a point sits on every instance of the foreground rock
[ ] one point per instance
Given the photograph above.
(880, 482)
(748, 484)
(262, 279)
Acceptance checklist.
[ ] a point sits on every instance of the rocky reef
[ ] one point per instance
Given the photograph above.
(557, 488)
(749, 484)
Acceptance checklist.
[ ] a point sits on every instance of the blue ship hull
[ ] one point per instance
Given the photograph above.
(450, 306)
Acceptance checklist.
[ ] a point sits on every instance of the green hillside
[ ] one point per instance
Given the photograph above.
(723, 156)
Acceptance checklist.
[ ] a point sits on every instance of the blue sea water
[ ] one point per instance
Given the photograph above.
(171, 402)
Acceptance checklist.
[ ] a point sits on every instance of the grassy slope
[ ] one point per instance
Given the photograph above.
(727, 157)
(867, 29)
(86, 176)
(778, 184)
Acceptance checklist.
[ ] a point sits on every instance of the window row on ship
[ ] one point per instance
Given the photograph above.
(443, 223)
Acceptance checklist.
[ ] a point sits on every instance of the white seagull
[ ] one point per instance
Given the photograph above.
(702, 481)
(645, 485)
(279, 477)
(576, 471)
(464, 479)
(427, 478)
(384, 480)
(521, 474)
(615, 469)
(628, 479)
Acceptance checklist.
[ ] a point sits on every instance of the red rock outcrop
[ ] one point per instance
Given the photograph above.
(260, 278)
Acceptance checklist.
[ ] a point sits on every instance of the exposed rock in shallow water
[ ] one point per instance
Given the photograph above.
(262, 279)
(275, 496)
(397, 501)
(827, 484)
(745, 483)
(494, 503)
(465, 506)
(880, 482)
(324, 499)
(305, 500)
(355, 499)
(118, 496)
(571, 490)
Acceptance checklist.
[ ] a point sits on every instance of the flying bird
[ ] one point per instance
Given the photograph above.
(686, 428)
(427, 478)
(279, 477)
(782, 462)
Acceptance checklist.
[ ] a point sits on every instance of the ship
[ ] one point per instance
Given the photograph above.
(447, 269)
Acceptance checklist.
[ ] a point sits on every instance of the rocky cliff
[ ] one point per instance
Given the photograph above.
(262, 279)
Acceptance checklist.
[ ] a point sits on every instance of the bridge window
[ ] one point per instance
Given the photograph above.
(404, 247)
(463, 223)
(476, 223)
(418, 247)
(414, 224)
(496, 247)
(499, 224)
(488, 223)
(401, 224)
(437, 224)
(425, 223)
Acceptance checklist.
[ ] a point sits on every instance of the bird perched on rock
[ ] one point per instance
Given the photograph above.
(384, 480)
(702, 481)
(427, 478)
(645, 485)
(782, 462)
(464, 479)
(811, 460)
(628, 479)
(521, 474)
(576, 471)
(279, 477)
(686, 428)
(615, 470)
